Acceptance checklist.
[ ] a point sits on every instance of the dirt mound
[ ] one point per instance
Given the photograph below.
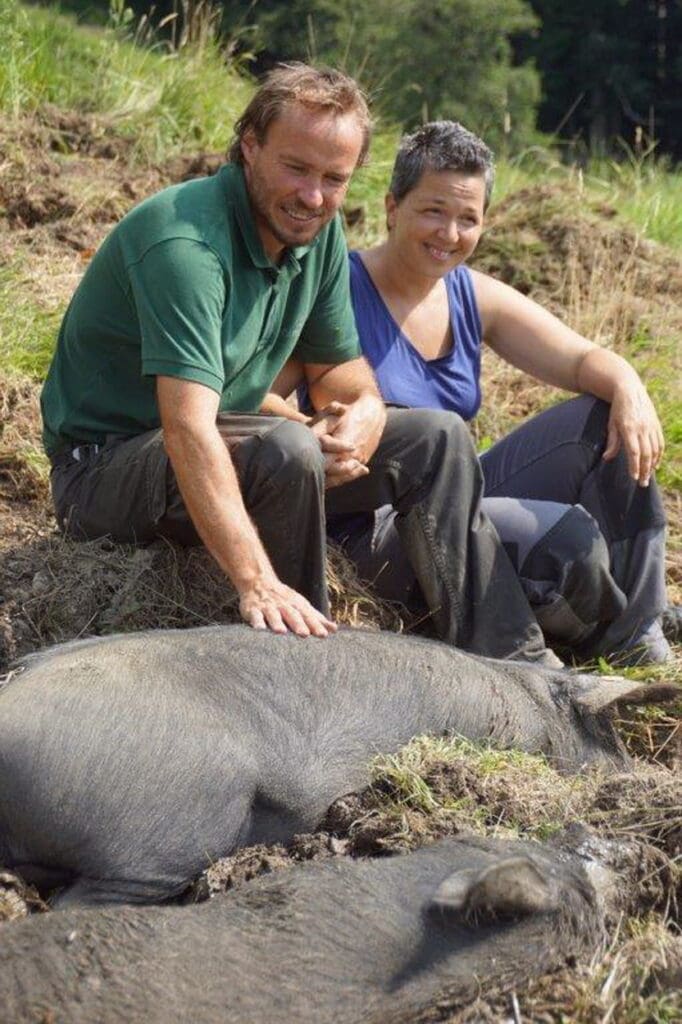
(74, 131)
(54, 589)
(539, 239)
(434, 788)
(67, 178)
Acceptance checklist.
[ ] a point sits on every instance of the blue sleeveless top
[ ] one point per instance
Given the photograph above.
(404, 376)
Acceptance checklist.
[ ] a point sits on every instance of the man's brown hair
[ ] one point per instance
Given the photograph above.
(318, 88)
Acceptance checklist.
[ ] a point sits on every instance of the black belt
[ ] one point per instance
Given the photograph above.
(81, 453)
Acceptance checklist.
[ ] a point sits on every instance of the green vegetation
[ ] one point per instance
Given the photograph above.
(168, 100)
(27, 329)
(464, 44)
(452, 784)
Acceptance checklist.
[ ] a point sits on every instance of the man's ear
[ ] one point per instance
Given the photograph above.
(248, 145)
(390, 206)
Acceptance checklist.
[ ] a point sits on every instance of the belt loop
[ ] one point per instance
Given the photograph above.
(84, 450)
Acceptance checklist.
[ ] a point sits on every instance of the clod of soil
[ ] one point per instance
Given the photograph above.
(17, 900)
(245, 865)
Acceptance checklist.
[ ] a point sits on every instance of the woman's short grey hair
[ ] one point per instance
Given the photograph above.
(441, 146)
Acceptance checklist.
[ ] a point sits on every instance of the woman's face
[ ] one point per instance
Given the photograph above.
(437, 225)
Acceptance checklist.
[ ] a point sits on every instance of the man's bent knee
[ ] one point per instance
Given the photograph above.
(290, 451)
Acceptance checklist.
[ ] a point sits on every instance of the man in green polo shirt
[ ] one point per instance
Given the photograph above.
(181, 324)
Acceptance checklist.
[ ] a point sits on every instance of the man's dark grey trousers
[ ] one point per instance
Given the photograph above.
(425, 468)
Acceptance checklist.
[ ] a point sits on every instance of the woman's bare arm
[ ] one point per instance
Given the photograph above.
(532, 339)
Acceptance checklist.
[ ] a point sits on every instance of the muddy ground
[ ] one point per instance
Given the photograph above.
(66, 179)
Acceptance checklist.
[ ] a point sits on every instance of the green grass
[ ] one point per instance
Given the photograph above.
(401, 781)
(643, 192)
(660, 367)
(28, 330)
(169, 101)
(368, 188)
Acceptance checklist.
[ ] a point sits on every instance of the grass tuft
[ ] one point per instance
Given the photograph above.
(165, 99)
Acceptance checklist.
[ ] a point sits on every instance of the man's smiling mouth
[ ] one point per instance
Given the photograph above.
(303, 216)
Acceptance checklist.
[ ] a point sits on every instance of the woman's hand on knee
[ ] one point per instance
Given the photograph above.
(634, 425)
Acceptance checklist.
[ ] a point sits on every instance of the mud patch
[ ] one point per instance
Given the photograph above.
(233, 872)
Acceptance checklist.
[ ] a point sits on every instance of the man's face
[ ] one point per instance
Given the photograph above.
(298, 177)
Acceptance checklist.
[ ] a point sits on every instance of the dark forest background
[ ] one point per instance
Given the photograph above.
(602, 77)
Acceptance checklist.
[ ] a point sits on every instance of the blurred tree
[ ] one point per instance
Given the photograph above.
(610, 68)
(418, 58)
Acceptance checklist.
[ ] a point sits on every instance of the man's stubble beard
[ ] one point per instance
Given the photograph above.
(258, 196)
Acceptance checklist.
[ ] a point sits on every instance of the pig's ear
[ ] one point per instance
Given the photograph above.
(513, 887)
(596, 693)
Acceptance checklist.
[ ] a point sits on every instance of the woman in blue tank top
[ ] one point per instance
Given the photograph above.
(571, 492)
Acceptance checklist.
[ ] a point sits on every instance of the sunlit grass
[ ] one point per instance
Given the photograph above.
(643, 192)
(168, 100)
(28, 328)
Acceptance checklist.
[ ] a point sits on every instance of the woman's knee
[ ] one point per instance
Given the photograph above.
(575, 556)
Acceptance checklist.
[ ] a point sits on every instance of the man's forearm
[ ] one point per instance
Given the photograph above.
(275, 405)
(210, 489)
(346, 382)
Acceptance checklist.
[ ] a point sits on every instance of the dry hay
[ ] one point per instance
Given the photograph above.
(24, 469)
(55, 589)
(636, 980)
(654, 732)
(644, 805)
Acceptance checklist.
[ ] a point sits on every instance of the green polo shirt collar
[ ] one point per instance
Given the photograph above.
(234, 187)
